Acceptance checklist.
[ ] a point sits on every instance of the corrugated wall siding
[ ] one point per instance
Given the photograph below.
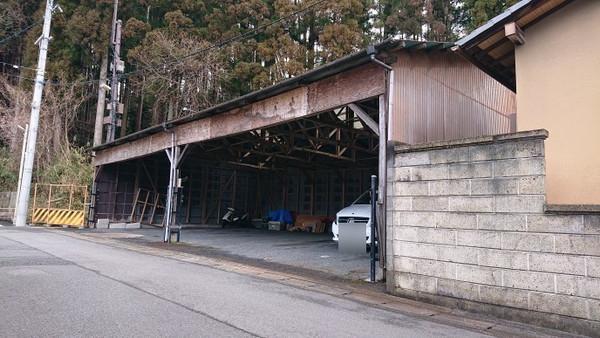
(440, 96)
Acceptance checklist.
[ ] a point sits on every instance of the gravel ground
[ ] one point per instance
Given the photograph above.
(308, 251)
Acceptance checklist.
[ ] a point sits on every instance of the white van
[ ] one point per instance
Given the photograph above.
(358, 212)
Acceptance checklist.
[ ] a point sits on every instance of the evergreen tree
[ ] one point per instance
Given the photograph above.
(172, 48)
(477, 12)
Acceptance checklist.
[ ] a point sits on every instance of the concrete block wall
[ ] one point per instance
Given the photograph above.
(467, 227)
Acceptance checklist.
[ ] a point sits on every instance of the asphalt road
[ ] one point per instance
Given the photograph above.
(53, 285)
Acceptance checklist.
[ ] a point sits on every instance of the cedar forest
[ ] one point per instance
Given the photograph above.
(184, 53)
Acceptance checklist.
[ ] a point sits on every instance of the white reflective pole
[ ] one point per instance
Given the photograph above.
(23, 201)
(19, 182)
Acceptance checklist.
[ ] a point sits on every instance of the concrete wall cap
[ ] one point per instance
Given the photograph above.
(576, 209)
(480, 140)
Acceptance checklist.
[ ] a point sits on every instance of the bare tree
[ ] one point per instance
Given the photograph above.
(59, 109)
(191, 82)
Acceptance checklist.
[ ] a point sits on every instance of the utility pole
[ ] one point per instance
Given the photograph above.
(101, 101)
(25, 188)
(23, 150)
(117, 67)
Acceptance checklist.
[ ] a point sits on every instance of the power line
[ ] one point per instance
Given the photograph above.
(217, 45)
(16, 66)
(19, 32)
(225, 42)
(48, 82)
(18, 76)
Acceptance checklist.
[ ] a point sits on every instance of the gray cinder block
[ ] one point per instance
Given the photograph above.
(471, 204)
(470, 170)
(549, 262)
(117, 226)
(527, 241)
(521, 203)
(449, 187)
(427, 173)
(520, 167)
(102, 223)
(133, 225)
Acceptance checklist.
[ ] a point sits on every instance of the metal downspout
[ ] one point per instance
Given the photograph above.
(385, 104)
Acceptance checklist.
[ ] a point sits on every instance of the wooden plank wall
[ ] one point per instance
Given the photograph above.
(213, 189)
(115, 190)
(209, 189)
(441, 96)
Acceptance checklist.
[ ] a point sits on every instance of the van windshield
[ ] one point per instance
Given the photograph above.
(364, 198)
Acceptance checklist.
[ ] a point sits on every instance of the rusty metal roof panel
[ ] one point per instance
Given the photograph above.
(326, 70)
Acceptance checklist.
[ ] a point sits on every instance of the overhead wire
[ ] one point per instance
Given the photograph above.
(251, 32)
(18, 76)
(16, 66)
(20, 32)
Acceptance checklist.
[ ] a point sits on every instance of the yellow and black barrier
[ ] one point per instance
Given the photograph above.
(59, 204)
(58, 217)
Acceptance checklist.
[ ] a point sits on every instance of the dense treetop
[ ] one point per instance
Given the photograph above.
(169, 46)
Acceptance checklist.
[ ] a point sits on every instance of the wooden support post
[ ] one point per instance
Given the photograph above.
(85, 198)
(284, 193)
(113, 195)
(145, 204)
(49, 195)
(93, 196)
(312, 196)
(189, 201)
(34, 195)
(220, 196)
(328, 194)
(204, 193)
(258, 202)
(135, 200)
(136, 181)
(298, 194)
(234, 189)
(343, 188)
(156, 199)
(70, 196)
(247, 180)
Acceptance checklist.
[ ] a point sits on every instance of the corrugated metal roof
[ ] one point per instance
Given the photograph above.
(326, 70)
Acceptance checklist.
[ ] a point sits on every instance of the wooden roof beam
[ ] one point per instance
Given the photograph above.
(369, 122)
(514, 33)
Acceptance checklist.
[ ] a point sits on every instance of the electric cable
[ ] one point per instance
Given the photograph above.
(217, 45)
(22, 31)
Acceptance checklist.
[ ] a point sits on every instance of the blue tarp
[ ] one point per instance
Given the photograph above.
(281, 215)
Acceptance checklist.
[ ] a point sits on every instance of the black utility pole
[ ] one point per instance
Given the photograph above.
(373, 226)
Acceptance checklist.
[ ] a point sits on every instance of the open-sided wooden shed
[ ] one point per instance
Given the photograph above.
(307, 144)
